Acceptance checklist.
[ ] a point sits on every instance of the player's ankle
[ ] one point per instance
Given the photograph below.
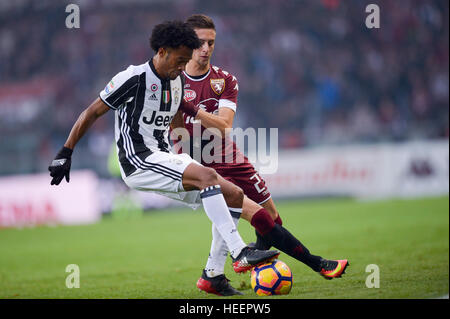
(211, 273)
(236, 252)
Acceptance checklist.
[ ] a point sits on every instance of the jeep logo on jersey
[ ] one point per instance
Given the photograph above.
(158, 120)
(218, 85)
(189, 95)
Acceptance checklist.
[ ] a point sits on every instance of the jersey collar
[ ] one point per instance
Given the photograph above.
(152, 67)
(197, 77)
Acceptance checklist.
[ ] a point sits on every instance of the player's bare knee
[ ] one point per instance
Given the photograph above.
(237, 196)
(208, 177)
(234, 195)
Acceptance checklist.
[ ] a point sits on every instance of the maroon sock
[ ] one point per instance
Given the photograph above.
(262, 222)
(278, 220)
(276, 235)
(260, 242)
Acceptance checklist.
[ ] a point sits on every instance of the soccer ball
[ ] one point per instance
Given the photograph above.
(273, 278)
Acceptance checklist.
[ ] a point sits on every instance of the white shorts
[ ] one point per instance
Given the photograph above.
(165, 177)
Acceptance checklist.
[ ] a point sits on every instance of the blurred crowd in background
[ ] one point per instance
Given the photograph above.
(311, 68)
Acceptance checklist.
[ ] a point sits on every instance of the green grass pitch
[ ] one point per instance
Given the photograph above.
(161, 254)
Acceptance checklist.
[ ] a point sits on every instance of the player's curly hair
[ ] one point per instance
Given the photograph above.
(173, 34)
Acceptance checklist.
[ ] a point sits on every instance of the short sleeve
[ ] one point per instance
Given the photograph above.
(120, 89)
(229, 96)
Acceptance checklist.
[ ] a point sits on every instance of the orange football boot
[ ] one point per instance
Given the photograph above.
(333, 268)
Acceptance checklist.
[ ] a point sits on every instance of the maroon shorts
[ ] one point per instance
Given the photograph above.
(246, 177)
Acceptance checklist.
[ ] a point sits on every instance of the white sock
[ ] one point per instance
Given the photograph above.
(217, 211)
(217, 258)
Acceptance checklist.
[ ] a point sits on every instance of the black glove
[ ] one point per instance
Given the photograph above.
(60, 166)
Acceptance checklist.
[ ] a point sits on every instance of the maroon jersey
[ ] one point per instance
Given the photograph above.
(216, 89)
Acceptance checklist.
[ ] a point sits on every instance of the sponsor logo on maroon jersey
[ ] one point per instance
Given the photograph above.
(218, 85)
(189, 95)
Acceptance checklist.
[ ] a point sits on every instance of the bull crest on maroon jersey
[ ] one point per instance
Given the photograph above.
(217, 85)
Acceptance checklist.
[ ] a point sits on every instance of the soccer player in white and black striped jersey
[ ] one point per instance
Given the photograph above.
(145, 99)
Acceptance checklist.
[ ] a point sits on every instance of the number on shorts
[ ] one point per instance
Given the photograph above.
(259, 180)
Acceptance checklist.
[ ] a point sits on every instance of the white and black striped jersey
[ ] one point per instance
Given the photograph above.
(145, 105)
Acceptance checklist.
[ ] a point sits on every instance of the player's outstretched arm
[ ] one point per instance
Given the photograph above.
(85, 121)
(222, 121)
(60, 166)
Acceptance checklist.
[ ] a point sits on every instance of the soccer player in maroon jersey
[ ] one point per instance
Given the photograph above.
(210, 102)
